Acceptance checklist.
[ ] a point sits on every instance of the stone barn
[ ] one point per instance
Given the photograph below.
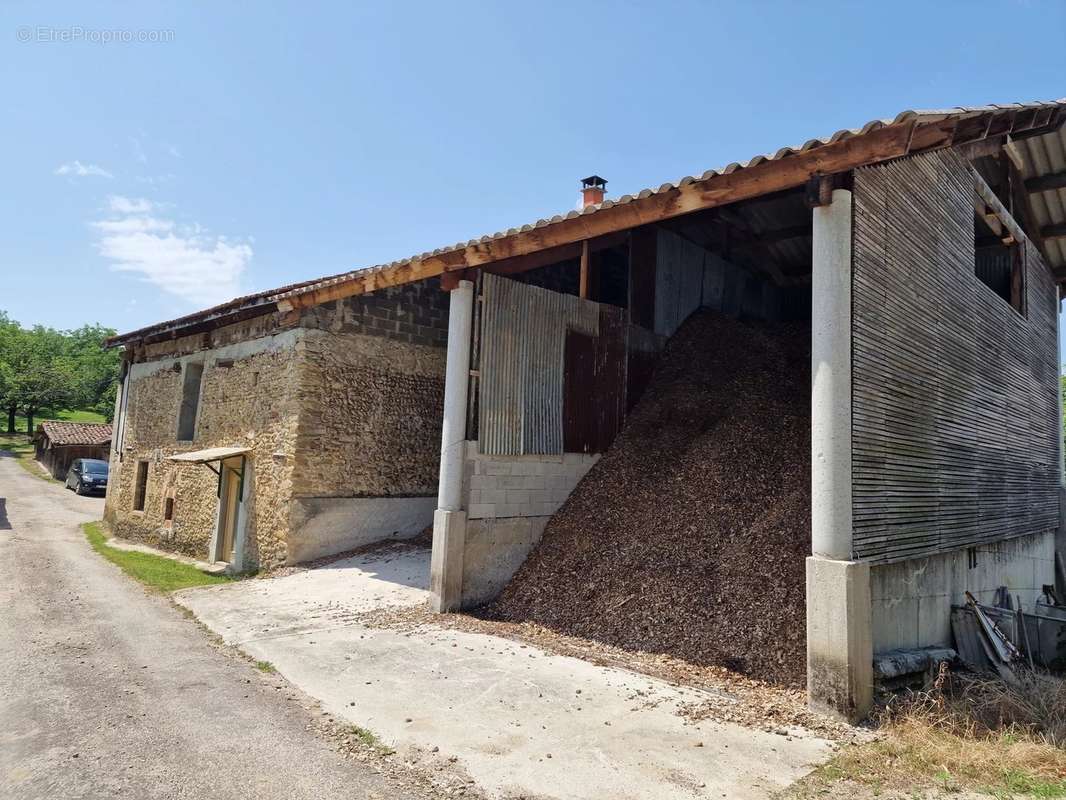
(258, 437)
(914, 262)
(57, 444)
(817, 391)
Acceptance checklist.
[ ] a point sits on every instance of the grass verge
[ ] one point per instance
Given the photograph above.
(160, 573)
(21, 446)
(966, 734)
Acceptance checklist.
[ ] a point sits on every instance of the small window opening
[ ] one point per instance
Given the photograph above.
(190, 401)
(168, 509)
(141, 487)
(998, 261)
(971, 558)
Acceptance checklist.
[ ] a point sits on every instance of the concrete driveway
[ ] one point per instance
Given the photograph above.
(107, 690)
(520, 721)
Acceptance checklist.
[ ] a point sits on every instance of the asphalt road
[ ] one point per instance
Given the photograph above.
(107, 690)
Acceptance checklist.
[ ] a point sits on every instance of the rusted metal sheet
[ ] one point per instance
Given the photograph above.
(557, 373)
(522, 358)
(594, 385)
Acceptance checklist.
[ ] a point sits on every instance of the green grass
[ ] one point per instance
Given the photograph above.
(265, 666)
(160, 573)
(61, 414)
(370, 739)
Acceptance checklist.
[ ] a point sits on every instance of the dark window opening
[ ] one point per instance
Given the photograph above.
(190, 401)
(141, 487)
(168, 510)
(971, 558)
(998, 261)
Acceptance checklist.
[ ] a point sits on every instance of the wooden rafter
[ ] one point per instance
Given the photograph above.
(1045, 183)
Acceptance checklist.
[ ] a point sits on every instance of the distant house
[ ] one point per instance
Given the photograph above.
(59, 443)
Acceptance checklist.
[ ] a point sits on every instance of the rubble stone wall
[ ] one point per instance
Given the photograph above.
(247, 398)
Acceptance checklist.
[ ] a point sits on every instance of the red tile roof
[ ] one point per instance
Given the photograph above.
(65, 433)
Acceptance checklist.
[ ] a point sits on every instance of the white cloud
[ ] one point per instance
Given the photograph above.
(129, 205)
(77, 169)
(180, 259)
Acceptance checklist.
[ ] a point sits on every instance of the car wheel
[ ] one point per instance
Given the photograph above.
(78, 488)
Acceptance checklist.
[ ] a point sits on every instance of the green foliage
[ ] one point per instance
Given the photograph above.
(42, 368)
(164, 574)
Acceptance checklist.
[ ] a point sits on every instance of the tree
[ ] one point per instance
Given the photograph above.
(36, 377)
(45, 368)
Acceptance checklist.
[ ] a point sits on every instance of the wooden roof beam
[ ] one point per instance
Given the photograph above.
(1045, 183)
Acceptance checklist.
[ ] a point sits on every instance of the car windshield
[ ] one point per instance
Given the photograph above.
(94, 467)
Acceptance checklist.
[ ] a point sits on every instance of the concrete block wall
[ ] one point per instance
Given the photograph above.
(498, 487)
(911, 600)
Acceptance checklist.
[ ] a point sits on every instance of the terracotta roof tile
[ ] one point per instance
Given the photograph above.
(64, 433)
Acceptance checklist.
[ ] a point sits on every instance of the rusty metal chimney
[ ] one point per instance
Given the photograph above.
(592, 190)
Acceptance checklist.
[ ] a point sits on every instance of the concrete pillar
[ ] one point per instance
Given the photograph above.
(1060, 534)
(449, 520)
(839, 617)
(831, 379)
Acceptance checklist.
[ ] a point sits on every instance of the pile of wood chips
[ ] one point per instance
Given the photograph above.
(688, 537)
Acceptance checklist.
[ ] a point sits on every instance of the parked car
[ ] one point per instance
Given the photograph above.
(87, 475)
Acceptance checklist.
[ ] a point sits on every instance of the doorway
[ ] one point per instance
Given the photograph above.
(230, 508)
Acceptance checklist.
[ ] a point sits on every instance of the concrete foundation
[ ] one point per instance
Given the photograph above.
(446, 564)
(322, 526)
(495, 549)
(839, 640)
(911, 600)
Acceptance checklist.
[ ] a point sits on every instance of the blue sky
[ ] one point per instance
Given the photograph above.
(257, 145)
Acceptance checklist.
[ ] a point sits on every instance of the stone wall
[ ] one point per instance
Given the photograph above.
(370, 417)
(342, 410)
(247, 398)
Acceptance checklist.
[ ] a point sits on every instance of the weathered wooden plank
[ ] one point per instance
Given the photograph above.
(955, 424)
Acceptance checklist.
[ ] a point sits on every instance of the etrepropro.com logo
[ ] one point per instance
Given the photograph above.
(50, 34)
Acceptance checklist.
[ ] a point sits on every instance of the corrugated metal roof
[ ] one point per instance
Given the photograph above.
(960, 113)
(210, 454)
(1042, 156)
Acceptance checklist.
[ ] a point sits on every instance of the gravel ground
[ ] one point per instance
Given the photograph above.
(107, 690)
(688, 537)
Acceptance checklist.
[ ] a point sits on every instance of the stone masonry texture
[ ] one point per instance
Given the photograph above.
(345, 401)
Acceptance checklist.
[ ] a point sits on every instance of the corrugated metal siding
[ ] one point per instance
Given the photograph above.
(955, 420)
(522, 363)
(1046, 155)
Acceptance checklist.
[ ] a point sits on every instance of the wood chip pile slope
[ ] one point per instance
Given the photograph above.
(689, 535)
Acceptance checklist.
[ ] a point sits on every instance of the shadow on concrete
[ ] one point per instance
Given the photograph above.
(5, 523)
(396, 562)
